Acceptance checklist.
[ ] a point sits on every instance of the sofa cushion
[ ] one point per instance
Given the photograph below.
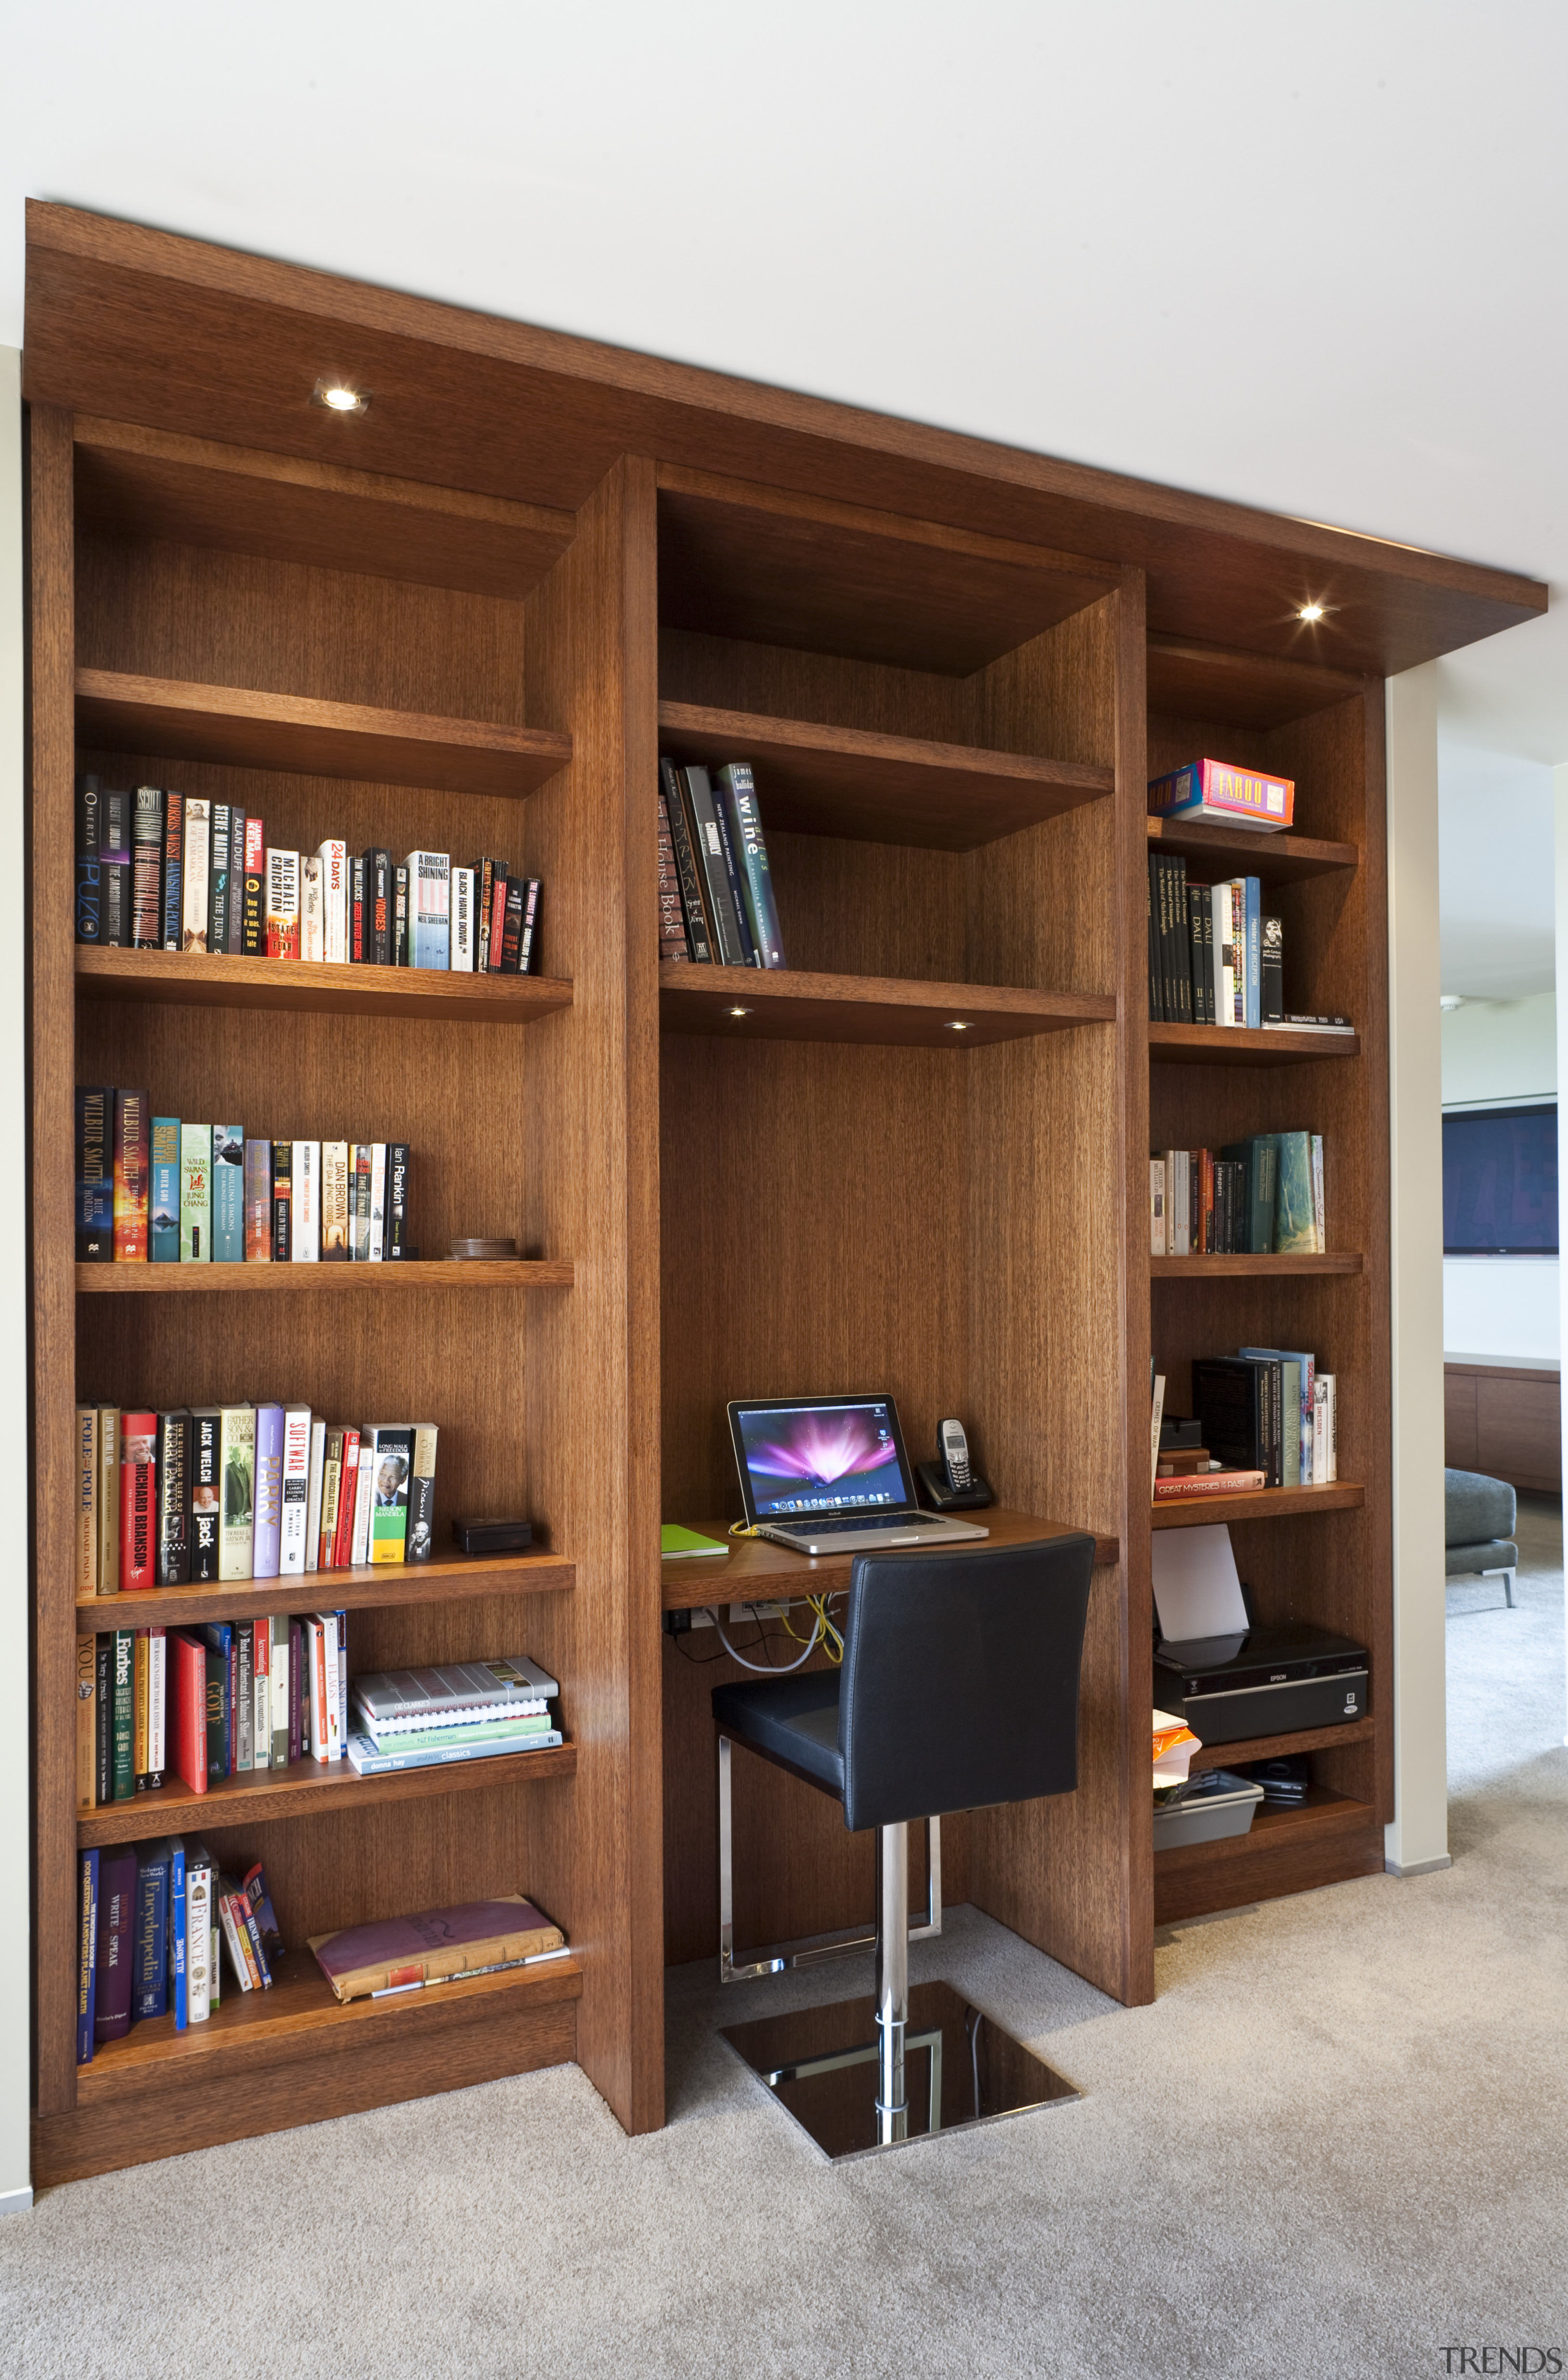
(1494, 1553)
(1476, 1508)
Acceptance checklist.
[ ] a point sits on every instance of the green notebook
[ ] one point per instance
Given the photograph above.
(683, 1543)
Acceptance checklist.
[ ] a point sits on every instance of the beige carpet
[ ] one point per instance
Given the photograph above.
(1335, 2145)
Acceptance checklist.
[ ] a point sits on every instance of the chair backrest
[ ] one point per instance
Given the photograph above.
(960, 1681)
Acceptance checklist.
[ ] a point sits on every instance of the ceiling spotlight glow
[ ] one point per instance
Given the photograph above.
(958, 1025)
(1309, 612)
(740, 1012)
(338, 397)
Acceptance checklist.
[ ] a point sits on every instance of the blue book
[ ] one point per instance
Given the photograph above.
(369, 1760)
(87, 1957)
(734, 791)
(163, 1205)
(94, 1177)
(228, 1194)
(149, 1941)
(1254, 951)
(179, 1980)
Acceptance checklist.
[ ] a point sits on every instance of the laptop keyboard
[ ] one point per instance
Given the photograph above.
(866, 1521)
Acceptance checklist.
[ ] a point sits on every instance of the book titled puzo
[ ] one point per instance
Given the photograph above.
(397, 1952)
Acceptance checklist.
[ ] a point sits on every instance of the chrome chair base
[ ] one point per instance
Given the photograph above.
(960, 2068)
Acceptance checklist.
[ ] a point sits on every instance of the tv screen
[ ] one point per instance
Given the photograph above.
(1500, 1181)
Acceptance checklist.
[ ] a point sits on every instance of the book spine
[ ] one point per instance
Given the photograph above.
(430, 887)
(245, 1697)
(87, 1955)
(125, 1714)
(253, 888)
(1154, 1015)
(1319, 1216)
(699, 937)
(235, 939)
(283, 1200)
(313, 1496)
(196, 1192)
(139, 1501)
(1210, 1483)
(378, 1201)
(528, 937)
(341, 1705)
(400, 917)
(86, 1500)
(236, 1942)
(397, 1164)
(106, 1568)
(674, 948)
(139, 1708)
(176, 1972)
(267, 1549)
(94, 1177)
(163, 1221)
(498, 876)
(173, 1498)
(237, 1455)
(103, 1720)
(147, 868)
(194, 915)
(420, 1542)
(1157, 1207)
(157, 1704)
(277, 1660)
(313, 910)
(87, 1723)
(394, 1460)
(362, 1201)
(347, 1488)
(724, 916)
(332, 1476)
(305, 1233)
(188, 1709)
(378, 895)
(258, 1202)
(131, 1159)
(89, 859)
(333, 857)
(149, 1943)
(357, 952)
(116, 1923)
(218, 877)
(228, 1194)
(283, 905)
(359, 1549)
(335, 1243)
(512, 925)
(484, 886)
(206, 1509)
(462, 921)
(750, 955)
(174, 868)
(297, 1733)
(369, 1760)
(315, 1690)
(199, 1941)
(296, 1490)
(115, 876)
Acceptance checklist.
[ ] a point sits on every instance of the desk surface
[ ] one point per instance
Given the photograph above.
(755, 1570)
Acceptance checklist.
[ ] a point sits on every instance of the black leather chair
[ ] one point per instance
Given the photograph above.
(958, 1690)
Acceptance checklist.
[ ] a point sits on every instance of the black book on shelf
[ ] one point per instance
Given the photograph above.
(88, 848)
(1200, 938)
(147, 868)
(722, 897)
(400, 917)
(1230, 1397)
(235, 942)
(1155, 1006)
(174, 1499)
(1181, 943)
(528, 938)
(698, 934)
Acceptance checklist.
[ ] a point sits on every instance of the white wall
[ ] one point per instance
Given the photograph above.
(1496, 1049)
(15, 1858)
(1418, 1840)
(1500, 1306)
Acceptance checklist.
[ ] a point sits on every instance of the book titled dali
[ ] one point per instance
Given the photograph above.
(434, 1944)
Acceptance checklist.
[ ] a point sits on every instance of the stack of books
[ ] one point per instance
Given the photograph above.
(439, 1946)
(471, 1710)
(153, 1189)
(157, 870)
(1267, 1413)
(153, 1920)
(1262, 1197)
(716, 904)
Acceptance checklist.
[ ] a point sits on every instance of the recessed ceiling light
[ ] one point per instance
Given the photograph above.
(338, 397)
(1309, 612)
(740, 1012)
(958, 1026)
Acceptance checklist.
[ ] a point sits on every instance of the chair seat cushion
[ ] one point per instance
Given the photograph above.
(791, 1720)
(1496, 1553)
(1476, 1508)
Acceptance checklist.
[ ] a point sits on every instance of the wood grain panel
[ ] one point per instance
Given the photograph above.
(1274, 1268)
(1271, 1747)
(212, 979)
(440, 1581)
(1264, 1504)
(319, 1279)
(306, 1790)
(1219, 1045)
(1519, 1430)
(1223, 851)
(52, 901)
(1459, 1391)
(1265, 1872)
(1208, 682)
(756, 1571)
(139, 484)
(794, 1004)
(728, 673)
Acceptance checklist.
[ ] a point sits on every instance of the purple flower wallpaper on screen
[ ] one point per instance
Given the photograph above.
(812, 1459)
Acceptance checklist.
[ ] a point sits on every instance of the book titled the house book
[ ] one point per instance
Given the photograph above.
(398, 1951)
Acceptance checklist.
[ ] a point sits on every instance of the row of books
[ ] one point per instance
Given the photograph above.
(219, 1494)
(159, 870)
(207, 1702)
(154, 1189)
(716, 904)
(1262, 1197)
(1268, 1416)
(158, 1921)
(1214, 958)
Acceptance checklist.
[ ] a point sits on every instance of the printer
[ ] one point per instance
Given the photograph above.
(1261, 1681)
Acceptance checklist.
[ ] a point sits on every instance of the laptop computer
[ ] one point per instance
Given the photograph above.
(829, 1476)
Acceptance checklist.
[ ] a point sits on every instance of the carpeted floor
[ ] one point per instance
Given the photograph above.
(1334, 2146)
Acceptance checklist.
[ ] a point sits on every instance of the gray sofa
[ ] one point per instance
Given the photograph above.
(1479, 1515)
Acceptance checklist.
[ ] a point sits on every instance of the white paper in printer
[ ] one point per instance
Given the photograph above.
(1197, 1587)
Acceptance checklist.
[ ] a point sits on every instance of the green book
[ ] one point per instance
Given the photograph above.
(678, 1544)
(1260, 1157)
(125, 1714)
(437, 1738)
(1295, 1226)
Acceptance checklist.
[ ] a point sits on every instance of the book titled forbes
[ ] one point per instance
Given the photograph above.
(420, 1543)
(162, 1221)
(282, 903)
(334, 1233)
(147, 868)
(88, 865)
(436, 1942)
(94, 1177)
(194, 899)
(283, 1201)
(238, 1454)
(253, 890)
(206, 1502)
(139, 1500)
(173, 869)
(131, 1160)
(196, 1194)
(258, 1202)
(123, 1728)
(173, 1498)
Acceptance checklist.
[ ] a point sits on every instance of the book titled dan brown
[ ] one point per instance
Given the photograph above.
(438, 1943)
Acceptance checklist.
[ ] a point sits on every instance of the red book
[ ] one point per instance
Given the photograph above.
(347, 1495)
(185, 1750)
(139, 1500)
(132, 1130)
(497, 915)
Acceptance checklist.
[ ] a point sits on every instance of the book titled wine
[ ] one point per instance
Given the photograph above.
(1216, 793)
(436, 1943)
(736, 788)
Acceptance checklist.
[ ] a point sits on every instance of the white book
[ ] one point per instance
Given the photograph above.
(193, 883)
(282, 904)
(462, 921)
(314, 1713)
(1157, 1411)
(1178, 1203)
(1326, 1444)
(359, 1546)
(430, 910)
(313, 911)
(279, 1631)
(333, 857)
(296, 1489)
(1224, 959)
(198, 1942)
(1157, 1207)
(313, 1496)
(1317, 1216)
(305, 1227)
(157, 1700)
(378, 1201)
(231, 1936)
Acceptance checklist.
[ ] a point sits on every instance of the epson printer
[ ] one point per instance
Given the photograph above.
(1231, 1679)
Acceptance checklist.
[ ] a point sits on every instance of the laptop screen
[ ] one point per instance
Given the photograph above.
(828, 1454)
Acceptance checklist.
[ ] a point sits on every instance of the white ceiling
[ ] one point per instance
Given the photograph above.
(1311, 258)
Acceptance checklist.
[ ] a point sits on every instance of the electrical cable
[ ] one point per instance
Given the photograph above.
(765, 1669)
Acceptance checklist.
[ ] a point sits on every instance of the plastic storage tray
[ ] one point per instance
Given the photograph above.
(1225, 1808)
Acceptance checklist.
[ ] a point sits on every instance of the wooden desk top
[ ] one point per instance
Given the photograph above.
(756, 1571)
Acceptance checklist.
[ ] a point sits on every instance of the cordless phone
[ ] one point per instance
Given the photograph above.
(951, 1483)
(955, 1448)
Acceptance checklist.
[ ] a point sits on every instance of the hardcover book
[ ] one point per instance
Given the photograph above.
(196, 1192)
(262, 1693)
(313, 1496)
(277, 1656)
(362, 1165)
(218, 877)
(512, 925)
(147, 868)
(358, 1960)
(378, 1201)
(724, 917)
(173, 869)
(527, 940)
(94, 1177)
(187, 1708)
(396, 1242)
(150, 1978)
(123, 1731)
(369, 1758)
(312, 909)
(736, 788)
(238, 824)
(163, 1221)
(333, 857)
(238, 1449)
(392, 1460)
(116, 1934)
(228, 1194)
(131, 1159)
(108, 1500)
(462, 921)
(283, 905)
(206, 1506)
(347, 1490)
(269, 1492)
(1296, 1221)
(198, 1916)
(359, 1546)
(87, 1955)
(498, 875)
(258, 1202)
(378, 907)
(357, 951)
(332, 1477)
(87, 1723)
(222, 1658)
(420, 1543)
(87, 1500)
(400, 917)
(694, 908)
(139, 1500)
(194, 918)
(176, 1965)
(244, 1697)
(103, 1714)
(296, 1489)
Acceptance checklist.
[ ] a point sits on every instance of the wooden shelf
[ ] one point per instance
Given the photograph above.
(1259, 1504)
(132, 482)
(318, 1279)
(1209, 683)
(839, 781)
(310, 1789)
(756, 1571)
(788, 1004)
(249, 2027)
(1279, 1829)
(365, 1588)
(1277, 858)
(1272, 1748)
(1209, 1268)
(174, 979)
(244, 728)
(1221, 1045)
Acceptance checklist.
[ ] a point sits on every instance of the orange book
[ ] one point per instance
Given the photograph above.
(132, 1151)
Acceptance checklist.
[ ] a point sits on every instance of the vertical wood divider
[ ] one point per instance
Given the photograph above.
(53, 900)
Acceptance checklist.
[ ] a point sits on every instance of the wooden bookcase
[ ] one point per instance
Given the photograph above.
(473, 617)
